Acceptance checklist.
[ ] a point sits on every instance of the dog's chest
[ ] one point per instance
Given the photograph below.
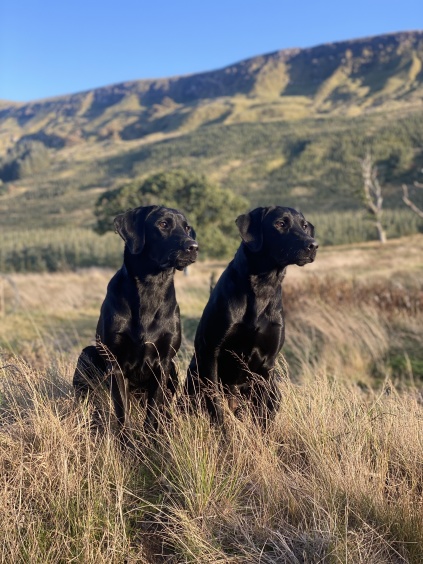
(263, 333)
(252, 344)
(159, 329)
(148, 343)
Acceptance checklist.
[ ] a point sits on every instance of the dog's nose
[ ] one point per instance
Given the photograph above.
(313, 246)
(190, 246)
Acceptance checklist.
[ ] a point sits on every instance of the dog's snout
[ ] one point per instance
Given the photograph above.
(313, 246)
(190, 246)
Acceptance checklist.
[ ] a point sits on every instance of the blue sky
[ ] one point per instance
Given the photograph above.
(48, 48)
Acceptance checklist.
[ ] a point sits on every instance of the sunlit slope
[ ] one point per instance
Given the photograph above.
(287, 127)
(344, 78)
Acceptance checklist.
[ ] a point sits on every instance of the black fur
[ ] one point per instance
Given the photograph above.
(139, 330)
(242, 327)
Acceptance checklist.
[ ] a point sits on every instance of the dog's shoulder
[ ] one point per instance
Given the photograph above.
(116, 300)
(230, 286)
(120, 284)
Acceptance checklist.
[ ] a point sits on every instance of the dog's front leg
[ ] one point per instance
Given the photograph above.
(213, 392)
(157, 396)
(274, 397)
(119, 393)
(173, 380)
(266, 398)
(202, 384)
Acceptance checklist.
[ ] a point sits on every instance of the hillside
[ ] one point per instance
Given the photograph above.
(289, 126)
(344, 78)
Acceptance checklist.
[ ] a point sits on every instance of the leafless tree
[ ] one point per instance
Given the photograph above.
(372, 193)
(410, 203)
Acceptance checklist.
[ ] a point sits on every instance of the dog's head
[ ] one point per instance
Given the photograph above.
(282, 234)
(161, 234)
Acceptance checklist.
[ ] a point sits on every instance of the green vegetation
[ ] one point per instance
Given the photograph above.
(53, 250)
(24, 159)
(62, 249)
(340, 228)
(285, 128)
(312, 164)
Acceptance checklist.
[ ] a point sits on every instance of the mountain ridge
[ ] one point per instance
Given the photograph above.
(341, 78)
(283, 53)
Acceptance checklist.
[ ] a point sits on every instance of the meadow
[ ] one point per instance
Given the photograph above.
(337, 477)
(65, 248)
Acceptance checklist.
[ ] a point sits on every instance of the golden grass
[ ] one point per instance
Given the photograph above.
(337, 477)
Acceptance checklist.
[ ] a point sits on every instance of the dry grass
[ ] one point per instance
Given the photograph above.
(338, 476)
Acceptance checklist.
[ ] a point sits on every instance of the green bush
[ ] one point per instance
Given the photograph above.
(210, 209)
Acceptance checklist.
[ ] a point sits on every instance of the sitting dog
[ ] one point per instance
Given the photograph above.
(139, 330)
(242, 327)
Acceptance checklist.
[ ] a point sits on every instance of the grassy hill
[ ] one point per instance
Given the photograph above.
(287, 127)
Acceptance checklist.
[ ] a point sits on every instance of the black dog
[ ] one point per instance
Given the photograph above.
(139, 330)
(242, 328)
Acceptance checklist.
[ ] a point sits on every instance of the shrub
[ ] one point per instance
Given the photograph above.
(212, 210)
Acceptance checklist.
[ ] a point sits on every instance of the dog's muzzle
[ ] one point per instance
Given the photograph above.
(187, 255)
(308, 253)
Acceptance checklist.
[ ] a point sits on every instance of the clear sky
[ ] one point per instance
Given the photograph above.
(53, 47)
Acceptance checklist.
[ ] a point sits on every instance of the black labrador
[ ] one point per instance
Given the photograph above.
(242, 327)
(139, 329)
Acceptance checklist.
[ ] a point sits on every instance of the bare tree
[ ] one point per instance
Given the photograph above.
(372, 193)
(410, 203)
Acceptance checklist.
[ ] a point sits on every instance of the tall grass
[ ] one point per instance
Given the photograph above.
(359, 331)
(337, 476)
(62, 487)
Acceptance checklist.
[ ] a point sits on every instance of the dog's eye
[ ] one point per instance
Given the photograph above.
(163, 224)
(280, 224)
(305, 226)
(188, 228)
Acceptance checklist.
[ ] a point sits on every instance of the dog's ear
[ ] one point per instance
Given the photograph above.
(131, 227)
(250, 228)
